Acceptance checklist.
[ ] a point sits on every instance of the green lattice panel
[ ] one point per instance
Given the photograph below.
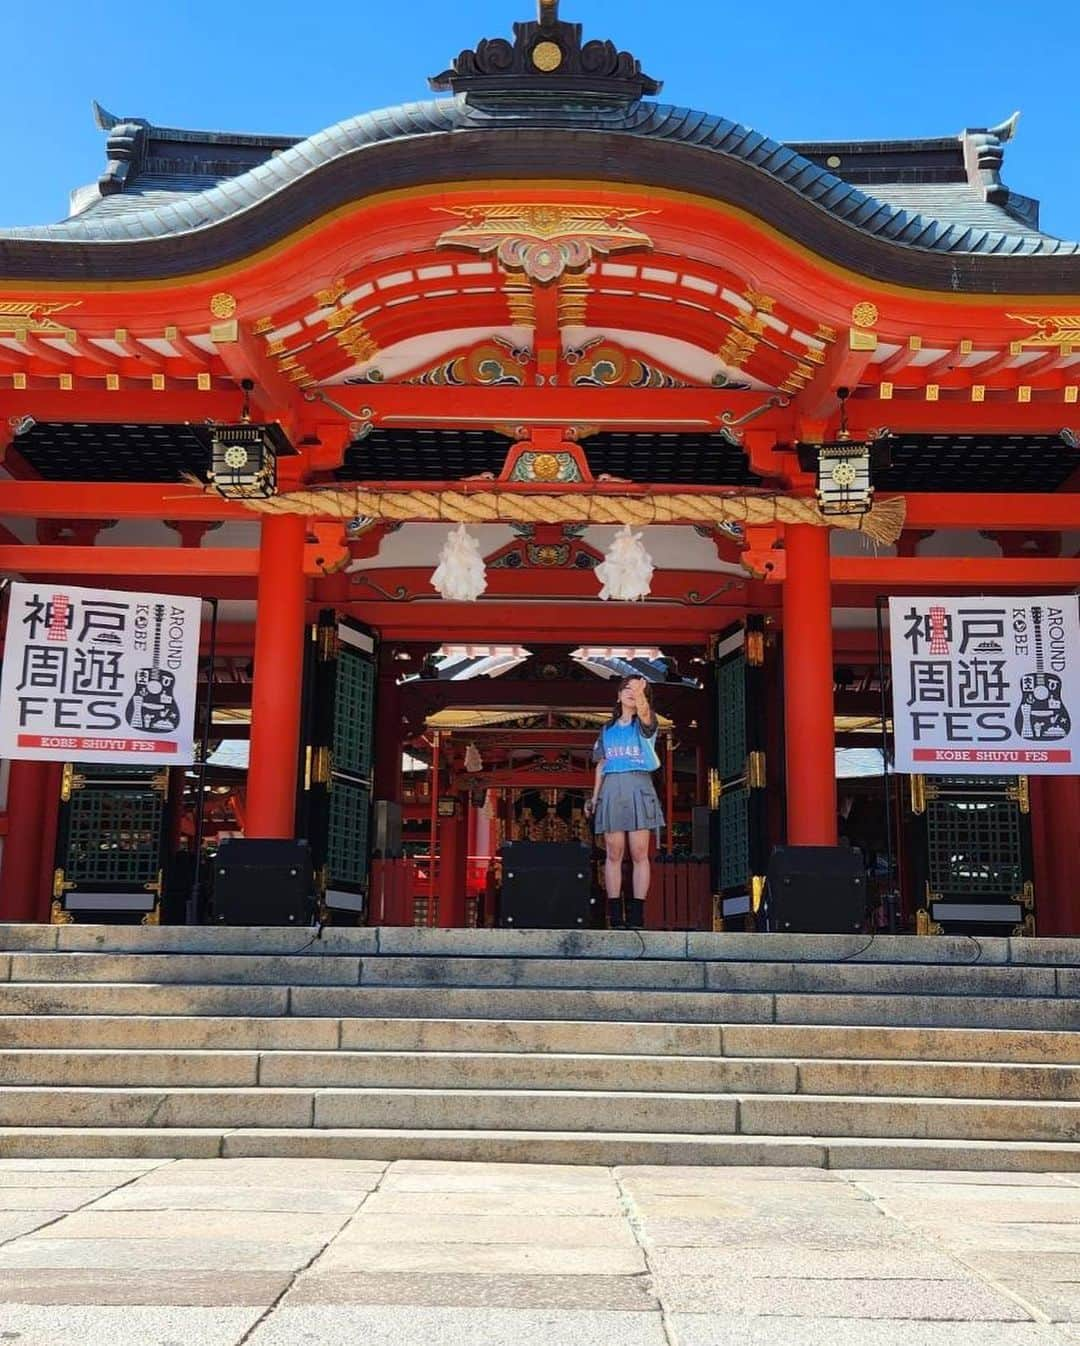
(354, 707)
(347, 840)
(113, 837)
(734, 839)
(731, 717)
(975, 847)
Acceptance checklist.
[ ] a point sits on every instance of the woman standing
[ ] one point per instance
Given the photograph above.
(624, 799)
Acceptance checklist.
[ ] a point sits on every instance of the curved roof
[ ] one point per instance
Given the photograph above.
(925, 213)
(152, 210)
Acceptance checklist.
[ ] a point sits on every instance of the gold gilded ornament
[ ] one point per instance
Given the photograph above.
(1059, 331)
(32, 316)
(545, 467)
(222, 304)
(542, 240)
(547, 56)
(864, 314)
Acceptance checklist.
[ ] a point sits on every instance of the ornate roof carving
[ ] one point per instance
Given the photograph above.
(547, 60)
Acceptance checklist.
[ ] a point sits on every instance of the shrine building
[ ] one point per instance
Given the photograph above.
(276, 374)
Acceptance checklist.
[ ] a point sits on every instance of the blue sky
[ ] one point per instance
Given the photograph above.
(790, 69)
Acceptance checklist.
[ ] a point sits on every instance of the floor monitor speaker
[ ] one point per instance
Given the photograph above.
(546, 885)
(262, 881)
(817, 890)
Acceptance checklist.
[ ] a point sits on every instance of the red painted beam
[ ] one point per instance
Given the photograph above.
(93, 500)
(147, 561)
(965, 572)
(400, 404)
(1007, 512)
(958, 415)
(688, 589)
(692, 587)
(90, 401)
(542, 622)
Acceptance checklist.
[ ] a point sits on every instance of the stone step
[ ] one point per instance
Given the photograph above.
(607, 944)
(106, 998)
(917, 1118)
(141, 1032)
(62, 1068)
(399, 1070)
(623, 1149)
(195, 969)
(531, 1070)
(693, 975)
(470, 1002)
(231, 1033)
(544, 1110)
(772, 1114)
(687, 1006)
(567, 973)
(536, 1147)
(656, 1074)
(850, 1042)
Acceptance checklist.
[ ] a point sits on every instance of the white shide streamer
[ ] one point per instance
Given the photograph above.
(627, 569)
(460, 574)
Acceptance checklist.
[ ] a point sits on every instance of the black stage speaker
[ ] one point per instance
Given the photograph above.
(546, 885)
(817, 890)
(262, 881)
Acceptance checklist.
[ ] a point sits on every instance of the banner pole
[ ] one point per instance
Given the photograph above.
(886, 787)
(195, 897)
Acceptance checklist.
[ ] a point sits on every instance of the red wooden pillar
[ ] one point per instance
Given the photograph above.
(275, 699)
(453, 864)
(388, 740)
(50, 826)
(808, 688)
(20, 872)
(1055, 807)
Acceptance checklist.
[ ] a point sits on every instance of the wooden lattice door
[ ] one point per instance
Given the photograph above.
(335, 805)
(972, 855)
(111, 841)
(739, 818)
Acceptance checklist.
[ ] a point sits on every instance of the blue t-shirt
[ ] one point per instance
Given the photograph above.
(626, 747)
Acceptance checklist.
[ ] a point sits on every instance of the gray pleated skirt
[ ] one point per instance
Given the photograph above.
(628, 803)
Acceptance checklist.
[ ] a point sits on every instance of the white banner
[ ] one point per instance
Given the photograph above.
(96, 675)
(986, 686)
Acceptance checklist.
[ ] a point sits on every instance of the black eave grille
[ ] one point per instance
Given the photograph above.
(979, 463)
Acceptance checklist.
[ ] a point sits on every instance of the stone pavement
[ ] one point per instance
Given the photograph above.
(275, 1252)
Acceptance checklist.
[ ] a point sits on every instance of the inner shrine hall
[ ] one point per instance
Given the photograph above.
(280, 375)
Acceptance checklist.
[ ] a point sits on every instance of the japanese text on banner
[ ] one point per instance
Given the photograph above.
(99, 676)
(986, 685)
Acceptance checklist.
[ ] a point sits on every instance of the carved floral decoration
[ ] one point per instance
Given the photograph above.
(602, 364)
(490, 364)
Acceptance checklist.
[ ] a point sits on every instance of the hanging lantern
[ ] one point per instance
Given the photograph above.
(843, 470)
(460, 575)
(243, 458)
(474, 763)
(627, 568)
